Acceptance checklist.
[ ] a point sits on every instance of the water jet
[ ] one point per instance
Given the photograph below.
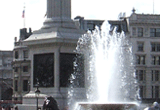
(109, 70)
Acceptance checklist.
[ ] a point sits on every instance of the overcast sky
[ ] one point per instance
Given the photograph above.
(11, 14)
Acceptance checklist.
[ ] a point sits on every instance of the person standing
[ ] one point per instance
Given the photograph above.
(155, 106)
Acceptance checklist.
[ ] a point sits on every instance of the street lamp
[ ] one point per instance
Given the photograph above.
(37, 92)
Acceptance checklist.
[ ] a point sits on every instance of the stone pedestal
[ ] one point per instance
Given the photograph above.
(58, 35)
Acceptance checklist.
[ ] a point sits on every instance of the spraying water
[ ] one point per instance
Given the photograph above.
(109, 68)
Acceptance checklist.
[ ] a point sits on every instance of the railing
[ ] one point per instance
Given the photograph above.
(11, 101)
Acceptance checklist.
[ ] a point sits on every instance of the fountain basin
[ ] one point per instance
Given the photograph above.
(107, 106)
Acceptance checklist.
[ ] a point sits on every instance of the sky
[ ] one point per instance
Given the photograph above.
(11, 20)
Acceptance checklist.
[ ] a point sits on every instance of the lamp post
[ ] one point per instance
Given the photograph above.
(37, 92)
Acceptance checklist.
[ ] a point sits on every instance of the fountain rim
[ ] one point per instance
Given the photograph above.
(107, 104)
(135, 103)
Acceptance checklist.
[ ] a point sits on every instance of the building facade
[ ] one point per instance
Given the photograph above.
(6, 77)
(21, 66)
(86, 25)
(145, 37)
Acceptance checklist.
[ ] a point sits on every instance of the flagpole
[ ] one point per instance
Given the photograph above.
(24, 22)
(24, 17)
(153, 6)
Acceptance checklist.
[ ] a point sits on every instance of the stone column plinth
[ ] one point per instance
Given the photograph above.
(59, 9)
(58, 14)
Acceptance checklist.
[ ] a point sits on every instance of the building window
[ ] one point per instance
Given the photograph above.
(134, 31)
(25, 85)
(155, 32)
(155, 47)
(152, 92)
(155, 60)
(152, 76)
(25, 54)
(140, 75)
(142, 91)
(25, 68)
(16, 69)
(140, 46)
(16, 85)
(16, 55)
(155, 75)
(91, 26)
(140, 32)
(155, 91)
(140, 60)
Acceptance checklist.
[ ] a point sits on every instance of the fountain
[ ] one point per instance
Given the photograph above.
(109, 71)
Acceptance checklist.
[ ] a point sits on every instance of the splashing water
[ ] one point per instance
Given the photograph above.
(109, 68)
